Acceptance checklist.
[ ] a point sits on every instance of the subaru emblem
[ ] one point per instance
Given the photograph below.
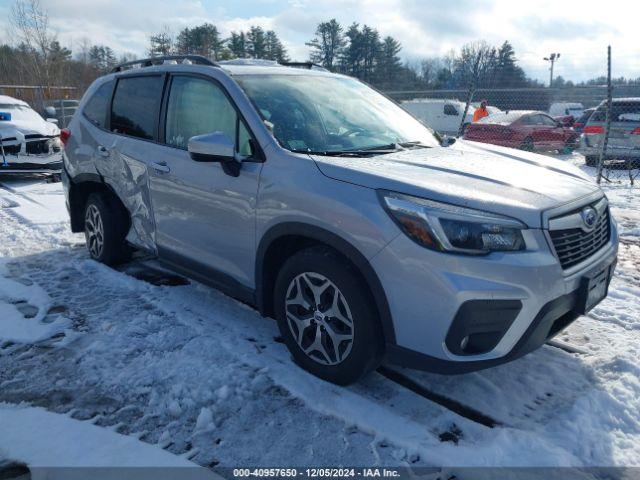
(589, 218)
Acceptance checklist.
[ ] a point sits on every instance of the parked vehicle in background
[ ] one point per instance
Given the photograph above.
(63, 110)
(320, 202)
(444, 116)
(523, 129)
(566, 121)
(579, 124)
(561, 109)
(624, 135)
(28, 143)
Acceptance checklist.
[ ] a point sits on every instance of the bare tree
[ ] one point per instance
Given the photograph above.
(30, 23)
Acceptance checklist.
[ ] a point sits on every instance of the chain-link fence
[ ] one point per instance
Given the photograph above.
(596, 123)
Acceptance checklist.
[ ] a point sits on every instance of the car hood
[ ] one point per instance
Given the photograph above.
(495, 179)
(9, 129)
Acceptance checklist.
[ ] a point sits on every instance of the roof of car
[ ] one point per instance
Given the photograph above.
(5, 99)
(505, 118)
(625, 99)
(276, 69)
(432, 100)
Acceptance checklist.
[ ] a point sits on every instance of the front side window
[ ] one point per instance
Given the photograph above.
(197, 106)
(96, 108)
(331, 114)
(135, 106)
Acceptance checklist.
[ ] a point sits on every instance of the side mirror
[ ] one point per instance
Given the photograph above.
(52, 120)
(50, 112)
(215, 147)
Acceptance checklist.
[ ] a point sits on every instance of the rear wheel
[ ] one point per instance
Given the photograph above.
(326, 318)
(105, 228)
(527, 144)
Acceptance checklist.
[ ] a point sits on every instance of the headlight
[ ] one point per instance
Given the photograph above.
(448, 228)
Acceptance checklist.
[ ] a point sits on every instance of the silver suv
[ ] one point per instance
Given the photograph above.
(624, 134)
(321, 203)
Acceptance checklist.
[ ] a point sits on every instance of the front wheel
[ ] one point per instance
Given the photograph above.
(326, 317)
(105, 228)
(527, 145)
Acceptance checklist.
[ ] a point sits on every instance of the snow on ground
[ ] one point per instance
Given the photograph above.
(47, 441)
(181, 365)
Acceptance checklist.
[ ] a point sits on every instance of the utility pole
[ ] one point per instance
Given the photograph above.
(551, 59)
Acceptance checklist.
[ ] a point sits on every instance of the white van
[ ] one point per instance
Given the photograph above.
(444, 116)
(564, 109)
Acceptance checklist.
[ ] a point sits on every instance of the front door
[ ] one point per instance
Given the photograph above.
(205, 219)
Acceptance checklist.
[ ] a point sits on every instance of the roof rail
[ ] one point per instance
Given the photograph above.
(150, 62)
(307, 65)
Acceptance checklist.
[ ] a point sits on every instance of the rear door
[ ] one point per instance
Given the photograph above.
(625, 127)
(123, 155)
(205, 218)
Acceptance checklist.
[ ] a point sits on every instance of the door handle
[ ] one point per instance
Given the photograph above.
(102, 151)
(161, 167)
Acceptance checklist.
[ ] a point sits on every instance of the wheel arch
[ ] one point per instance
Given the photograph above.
(283, 240)
(80, 187)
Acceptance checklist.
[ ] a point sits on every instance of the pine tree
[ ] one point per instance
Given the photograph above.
(388, 64)
(256, 45)
(274, 49)
(238, 45)
(328, 44)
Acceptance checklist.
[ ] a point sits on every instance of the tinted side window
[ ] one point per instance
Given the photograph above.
(197, 106)
(96, 108)
(544, 120)
(135, 106)
(450, 110)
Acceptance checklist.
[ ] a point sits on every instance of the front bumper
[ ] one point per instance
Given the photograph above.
(526, 296)
(31, 163)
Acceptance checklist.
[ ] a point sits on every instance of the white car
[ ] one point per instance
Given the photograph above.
(565, 109)
(28, 143)
(444, 116)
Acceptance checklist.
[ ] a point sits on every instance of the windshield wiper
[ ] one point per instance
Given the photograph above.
(345, 153)
(367, 151)
(414, 144)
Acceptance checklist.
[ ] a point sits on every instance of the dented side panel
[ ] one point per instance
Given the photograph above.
(122, 168)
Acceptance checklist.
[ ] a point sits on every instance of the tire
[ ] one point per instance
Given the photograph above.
(342, 297)
(591, 160)
(105, 228)
(527, 145)
(569, 147)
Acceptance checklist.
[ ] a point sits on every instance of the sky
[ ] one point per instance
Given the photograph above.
(579, 30)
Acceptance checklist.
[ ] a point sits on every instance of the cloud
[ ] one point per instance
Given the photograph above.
(424, 27)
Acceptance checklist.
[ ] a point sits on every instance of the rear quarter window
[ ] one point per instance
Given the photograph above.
(135, 107)
(97, 106)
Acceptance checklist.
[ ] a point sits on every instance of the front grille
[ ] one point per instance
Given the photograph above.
(37, 147)
(574, 245)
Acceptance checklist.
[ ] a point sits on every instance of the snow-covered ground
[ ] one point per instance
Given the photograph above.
(178, 365)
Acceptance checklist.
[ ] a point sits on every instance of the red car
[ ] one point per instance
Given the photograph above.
(526, 130)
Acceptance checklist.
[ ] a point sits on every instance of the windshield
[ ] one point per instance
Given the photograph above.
(326, 114)
(20, 113)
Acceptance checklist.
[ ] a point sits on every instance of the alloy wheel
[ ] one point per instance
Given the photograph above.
(94, 231)
(319, 318)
